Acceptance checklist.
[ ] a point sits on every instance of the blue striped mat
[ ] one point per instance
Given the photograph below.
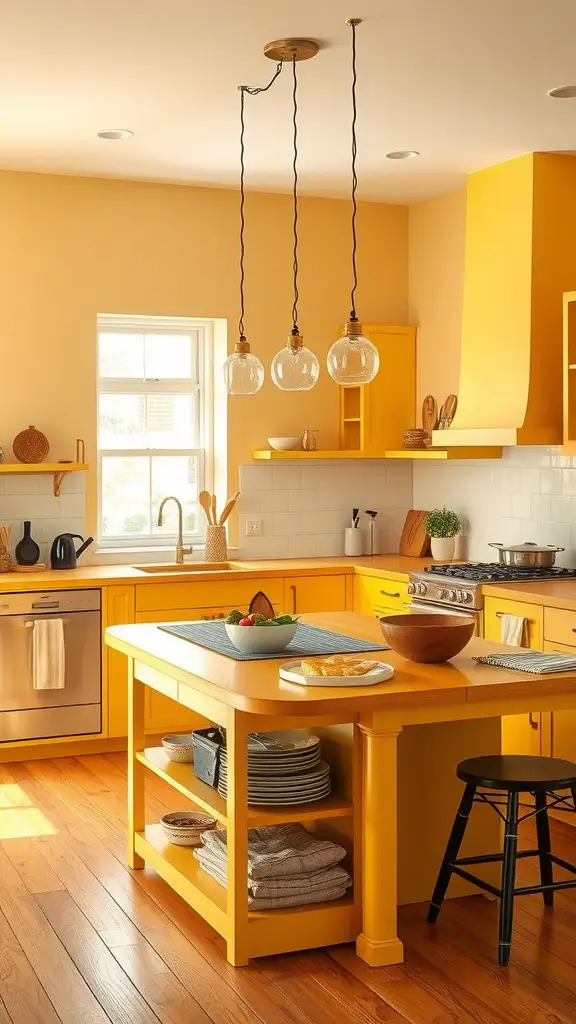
(308, 641)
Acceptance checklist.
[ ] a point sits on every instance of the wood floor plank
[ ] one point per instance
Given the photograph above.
(33, 869)
(63, 983)
(112, 988)
(20, 990)
(4, 1018)
(359, 1002)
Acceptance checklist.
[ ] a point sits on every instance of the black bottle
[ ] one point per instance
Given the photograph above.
(27, 551)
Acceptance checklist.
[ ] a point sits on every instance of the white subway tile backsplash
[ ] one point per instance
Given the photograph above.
(330, 544)
(29, 506)
(250, 501)
(275, 501)
(531, 481)
(520, 505)
(540, 506)
(287, 524)
(551, 481)
(72, 506)
(256, 478)
(325, 522)
(303, 547)
(287, 477)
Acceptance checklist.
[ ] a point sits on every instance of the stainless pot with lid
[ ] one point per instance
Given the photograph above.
(528, 555)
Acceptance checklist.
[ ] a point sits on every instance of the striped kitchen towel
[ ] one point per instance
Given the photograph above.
(532, 661)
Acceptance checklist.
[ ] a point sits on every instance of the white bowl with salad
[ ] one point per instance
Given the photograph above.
(257, 634)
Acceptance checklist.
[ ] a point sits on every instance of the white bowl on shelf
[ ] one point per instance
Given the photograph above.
(285, 444)
(184, 828)
(179, 747)
(261, 639)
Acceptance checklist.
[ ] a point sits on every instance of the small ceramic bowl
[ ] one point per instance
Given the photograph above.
(179, 747)
(285, 444)
(184, 828)
(261, 639)
(427, 638)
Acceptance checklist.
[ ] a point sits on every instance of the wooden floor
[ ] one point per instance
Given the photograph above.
(85, 941)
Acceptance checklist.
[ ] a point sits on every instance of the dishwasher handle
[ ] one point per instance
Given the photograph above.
(45, 604)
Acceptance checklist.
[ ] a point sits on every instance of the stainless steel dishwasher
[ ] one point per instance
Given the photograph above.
(30, 714)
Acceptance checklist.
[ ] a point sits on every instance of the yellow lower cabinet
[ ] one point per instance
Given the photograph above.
(563, 723)
(314, 594)
(374, 593)
(521, 734)
(119, 605)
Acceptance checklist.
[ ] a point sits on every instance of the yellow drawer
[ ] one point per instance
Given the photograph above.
(560, 626)
(494, 608)
(226, 594)
(377, 592)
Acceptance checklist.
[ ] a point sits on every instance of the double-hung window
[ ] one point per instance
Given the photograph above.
(154, 400)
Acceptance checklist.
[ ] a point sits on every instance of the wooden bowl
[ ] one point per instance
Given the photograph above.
(427, 638)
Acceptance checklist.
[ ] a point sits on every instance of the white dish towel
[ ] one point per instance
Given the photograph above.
(48, 660)
(514, 630)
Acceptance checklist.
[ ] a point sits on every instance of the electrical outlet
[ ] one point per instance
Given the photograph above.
(253, 527)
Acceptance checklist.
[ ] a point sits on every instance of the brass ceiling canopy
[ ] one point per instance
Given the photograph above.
(291, 49)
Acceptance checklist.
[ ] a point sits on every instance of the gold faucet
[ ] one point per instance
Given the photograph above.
(180, 549)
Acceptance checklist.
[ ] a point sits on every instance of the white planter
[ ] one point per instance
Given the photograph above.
(443, 548)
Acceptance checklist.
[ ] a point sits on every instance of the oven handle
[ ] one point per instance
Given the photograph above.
(434, 609)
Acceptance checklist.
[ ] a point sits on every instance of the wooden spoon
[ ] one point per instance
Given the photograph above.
(228, 509)
(206, 503)
(448, 412)
(214, 517)
(429, 414)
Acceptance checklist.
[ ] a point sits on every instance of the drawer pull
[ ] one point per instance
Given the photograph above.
(293, 592)
(499, 615)
(388, 593)
(533, 722)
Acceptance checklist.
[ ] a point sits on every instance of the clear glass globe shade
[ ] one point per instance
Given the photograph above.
(353, 360)
(295, 369)
(243, 374)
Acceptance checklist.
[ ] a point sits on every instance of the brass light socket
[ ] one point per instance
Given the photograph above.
(295, 341)
(352, 329)
(242, 346)
(291, 49)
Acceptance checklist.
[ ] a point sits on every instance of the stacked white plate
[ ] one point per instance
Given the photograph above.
(283, 768)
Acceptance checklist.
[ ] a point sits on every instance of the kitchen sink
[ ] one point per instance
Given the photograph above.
(187, 567)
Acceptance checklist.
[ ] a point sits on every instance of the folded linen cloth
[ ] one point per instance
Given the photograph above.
(276, 851)
(331, 892)
(532, 661)
(275, 888)
(513, 630)
(48, 656)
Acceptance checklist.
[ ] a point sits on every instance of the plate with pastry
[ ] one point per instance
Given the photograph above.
(338, 670)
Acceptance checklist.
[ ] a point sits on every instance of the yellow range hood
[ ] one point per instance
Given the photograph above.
(520, 258)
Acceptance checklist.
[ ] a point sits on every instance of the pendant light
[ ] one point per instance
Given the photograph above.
(353, 359)
(295, 367)
(243, 371)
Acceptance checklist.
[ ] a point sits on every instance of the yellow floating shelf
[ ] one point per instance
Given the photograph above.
(58, 470)
(430, 454)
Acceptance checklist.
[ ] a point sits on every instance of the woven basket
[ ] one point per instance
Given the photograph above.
(30, 445)
(215, 549)
(5, 560)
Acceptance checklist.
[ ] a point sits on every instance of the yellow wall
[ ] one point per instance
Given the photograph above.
(73, 247)
(437, 240)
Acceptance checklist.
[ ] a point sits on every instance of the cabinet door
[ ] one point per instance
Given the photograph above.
(563, 723)
(314, 594)
(389, 410)
(119, 606)
(374, 593)
(521, 734)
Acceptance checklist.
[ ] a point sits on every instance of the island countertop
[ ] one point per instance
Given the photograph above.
(255, 686)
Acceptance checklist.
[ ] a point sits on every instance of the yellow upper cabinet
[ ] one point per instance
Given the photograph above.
(520, 258)
(374, 416)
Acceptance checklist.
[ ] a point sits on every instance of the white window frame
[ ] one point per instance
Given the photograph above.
(203, 389)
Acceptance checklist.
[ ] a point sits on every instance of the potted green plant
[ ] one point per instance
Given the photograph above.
(442, 525)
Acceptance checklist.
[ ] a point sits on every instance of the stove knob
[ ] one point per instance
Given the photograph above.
(451, 595)
(443, 594)
(422, 589)
(467, 597)
(461, 596)
(411, 588)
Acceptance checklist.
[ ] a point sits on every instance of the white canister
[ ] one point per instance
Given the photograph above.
(352, 541)
(443, 548)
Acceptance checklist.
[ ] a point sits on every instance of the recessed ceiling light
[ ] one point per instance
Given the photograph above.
(115, 133)
(402, 154)
(563, 92)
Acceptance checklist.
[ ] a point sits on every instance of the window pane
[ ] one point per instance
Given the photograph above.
(121, 355)
(177, 475)
(122, 421)
(169, 356)
(125, 496)
(170, 421)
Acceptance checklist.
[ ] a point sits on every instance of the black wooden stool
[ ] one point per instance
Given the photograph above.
(509, 775)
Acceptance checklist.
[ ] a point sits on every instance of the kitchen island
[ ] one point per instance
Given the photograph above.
(393, 748)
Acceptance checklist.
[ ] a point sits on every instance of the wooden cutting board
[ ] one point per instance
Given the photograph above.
(429, 414)
(448, 412)
(414, 541)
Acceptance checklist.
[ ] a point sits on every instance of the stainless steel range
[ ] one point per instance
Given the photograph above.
(457, 589)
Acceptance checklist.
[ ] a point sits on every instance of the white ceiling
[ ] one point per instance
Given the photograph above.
(464, 83)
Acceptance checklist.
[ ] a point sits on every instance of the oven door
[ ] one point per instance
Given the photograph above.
(428, 608)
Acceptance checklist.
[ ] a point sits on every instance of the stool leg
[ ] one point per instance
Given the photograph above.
(544, 848)
(454, 843)
(508, 878)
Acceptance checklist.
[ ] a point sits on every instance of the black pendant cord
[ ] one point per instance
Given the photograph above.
(295, 329)
(354, 178)
(251, 91)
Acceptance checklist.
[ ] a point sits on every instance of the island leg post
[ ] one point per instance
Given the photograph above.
(237, 728)
(136, 793)
(378, 944)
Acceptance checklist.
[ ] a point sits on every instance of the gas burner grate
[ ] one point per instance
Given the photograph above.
(493, 571)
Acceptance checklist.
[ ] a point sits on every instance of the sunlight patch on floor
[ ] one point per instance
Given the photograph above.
(19, 818)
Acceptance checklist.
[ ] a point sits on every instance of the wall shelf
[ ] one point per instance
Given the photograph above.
(57, 469)
(425, 454)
